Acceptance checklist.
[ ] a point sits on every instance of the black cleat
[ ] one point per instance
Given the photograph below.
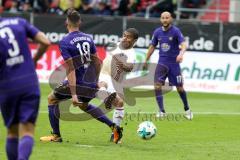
(117, 133)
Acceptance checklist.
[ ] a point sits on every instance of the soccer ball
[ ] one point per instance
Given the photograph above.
(146, 130)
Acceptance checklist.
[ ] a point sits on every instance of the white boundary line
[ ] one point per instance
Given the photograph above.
(84, 146)
(195, 113)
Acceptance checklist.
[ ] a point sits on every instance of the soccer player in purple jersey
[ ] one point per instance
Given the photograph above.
(80, 47)
(19, 88)
(171, 50)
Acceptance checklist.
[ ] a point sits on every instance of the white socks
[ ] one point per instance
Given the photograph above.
(118, 115)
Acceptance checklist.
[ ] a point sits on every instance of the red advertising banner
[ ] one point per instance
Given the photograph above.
(52, 59)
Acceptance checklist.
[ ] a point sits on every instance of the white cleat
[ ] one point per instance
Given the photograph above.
(161, 115)
(189, 114)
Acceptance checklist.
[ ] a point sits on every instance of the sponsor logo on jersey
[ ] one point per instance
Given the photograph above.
(165, 47)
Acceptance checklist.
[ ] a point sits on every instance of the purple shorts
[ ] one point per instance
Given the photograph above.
(20, 107)
(172, 71)
(85, 93)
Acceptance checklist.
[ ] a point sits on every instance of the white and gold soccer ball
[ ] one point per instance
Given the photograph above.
(146, 130)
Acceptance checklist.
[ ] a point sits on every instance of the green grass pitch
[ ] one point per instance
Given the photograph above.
(214, 133)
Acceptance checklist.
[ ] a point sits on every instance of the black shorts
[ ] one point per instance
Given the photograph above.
(85, 93)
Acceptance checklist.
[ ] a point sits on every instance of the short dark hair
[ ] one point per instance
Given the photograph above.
(133, 31)
(73, 16)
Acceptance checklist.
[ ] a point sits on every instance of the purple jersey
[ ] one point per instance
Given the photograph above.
(16, 66)
(169, 42)
(81, 46)
(19, 88)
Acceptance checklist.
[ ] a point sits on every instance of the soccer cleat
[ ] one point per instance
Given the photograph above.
(108, 101)
(161, 114)
(117, 133)
(111, 137)
(189, 114)
(51, 138)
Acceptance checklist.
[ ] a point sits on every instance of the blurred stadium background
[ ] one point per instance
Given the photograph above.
(211, 28)
(211, 69)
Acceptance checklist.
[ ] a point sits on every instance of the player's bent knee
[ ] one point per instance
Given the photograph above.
(13, 131)
(52, 100)
(26, 129)
(120, 103)
(158, 86)
(180, 89)
(83, 106)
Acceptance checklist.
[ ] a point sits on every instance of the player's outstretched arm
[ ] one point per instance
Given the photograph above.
(43, 45)
(149, 54)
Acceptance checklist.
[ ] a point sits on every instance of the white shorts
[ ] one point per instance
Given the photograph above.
(107, 79)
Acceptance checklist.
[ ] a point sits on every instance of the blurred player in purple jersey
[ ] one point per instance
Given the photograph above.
(19, 88)
(171, 50)
(77, 47)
